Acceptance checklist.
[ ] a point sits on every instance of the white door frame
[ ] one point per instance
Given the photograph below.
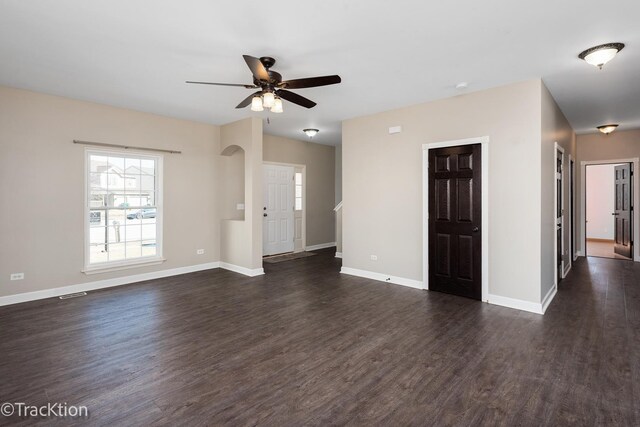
(558, 148)
(304, 197)
(635, 218)
(484, 150)
(572, 203)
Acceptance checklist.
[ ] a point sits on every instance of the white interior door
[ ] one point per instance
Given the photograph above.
(278, 215)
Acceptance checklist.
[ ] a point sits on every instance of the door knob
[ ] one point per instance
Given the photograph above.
(264, 214)
(476, 229)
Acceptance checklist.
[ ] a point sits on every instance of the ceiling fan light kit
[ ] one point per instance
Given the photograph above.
(607, 129)
(272, 88)
(600, 55)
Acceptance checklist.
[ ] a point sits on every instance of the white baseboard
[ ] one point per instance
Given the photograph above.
(101, 284)
(338, 254)
(579, 253)
(242, 270)
(382, 277)
(320, 246)
(548, 298)
(518, 304)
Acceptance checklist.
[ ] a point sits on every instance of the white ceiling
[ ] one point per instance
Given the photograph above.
(138, 53)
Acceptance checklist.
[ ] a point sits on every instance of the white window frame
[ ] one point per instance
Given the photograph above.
(295, 188)
(135, 262)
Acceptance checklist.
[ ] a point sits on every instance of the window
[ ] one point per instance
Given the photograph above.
(298, 183)
(123, 209)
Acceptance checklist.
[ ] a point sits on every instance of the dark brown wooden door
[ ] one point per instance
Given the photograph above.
(455, 250)
(622, 227)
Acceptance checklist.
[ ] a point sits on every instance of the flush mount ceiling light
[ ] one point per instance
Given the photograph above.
(311, 132)
(600, 55)
(607, 129)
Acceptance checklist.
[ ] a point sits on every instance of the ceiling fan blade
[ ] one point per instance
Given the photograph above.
(310, 82)
(295, 98)
(223, 84)
(256, 67)
(248, 99)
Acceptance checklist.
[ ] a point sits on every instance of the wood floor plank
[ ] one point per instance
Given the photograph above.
(305, 345)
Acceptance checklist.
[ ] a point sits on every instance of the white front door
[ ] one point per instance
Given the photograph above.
(277, 230)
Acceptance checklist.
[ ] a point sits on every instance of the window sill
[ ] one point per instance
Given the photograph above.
(123, 266)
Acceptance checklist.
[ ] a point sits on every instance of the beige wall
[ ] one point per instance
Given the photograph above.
(338, 197)
(42, 186)
(555, 128)
(241, 240)
(320, 192)
(382, 184)
(232, 189)
(599, 147)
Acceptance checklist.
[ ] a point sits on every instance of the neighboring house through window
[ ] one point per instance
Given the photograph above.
(123, 209)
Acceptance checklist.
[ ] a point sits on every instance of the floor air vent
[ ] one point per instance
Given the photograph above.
(76, 295)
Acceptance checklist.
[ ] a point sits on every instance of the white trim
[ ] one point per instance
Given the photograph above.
(548, 298)
(382, 277)
(242, 270)
(338, 254)
(338, 207)
(572, 203)
(578, 253)
(484, 143)
(636, 198)
(518, 304)
(304, 200)
(101, 284)
(320, 246)
(558, 148)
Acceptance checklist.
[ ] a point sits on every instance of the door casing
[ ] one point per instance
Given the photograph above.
(484, 144)
(558, 152)
(635, 195)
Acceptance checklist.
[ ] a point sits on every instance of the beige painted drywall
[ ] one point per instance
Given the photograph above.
(554, 128)
(382, 184)
(338, 197)
(320, 192)
(231, 189)
(596, 147)
(339, 230)
(42, 186)
(241, 241)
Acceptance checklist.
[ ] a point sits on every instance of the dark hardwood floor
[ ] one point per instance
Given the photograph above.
(304, 345)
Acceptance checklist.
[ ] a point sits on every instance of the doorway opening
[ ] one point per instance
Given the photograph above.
(609, 210)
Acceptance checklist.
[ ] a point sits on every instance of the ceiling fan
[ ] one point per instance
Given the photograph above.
(272, 88)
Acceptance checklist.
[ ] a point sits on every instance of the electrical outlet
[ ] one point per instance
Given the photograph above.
(200, 252)
(374, 257)
(17, 276)
(240, 206)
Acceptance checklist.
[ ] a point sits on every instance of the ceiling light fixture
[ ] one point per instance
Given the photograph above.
(607, 129)
(268, 99)
(277, 106)
(311, 132)
(600, 55)
(256, 103)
